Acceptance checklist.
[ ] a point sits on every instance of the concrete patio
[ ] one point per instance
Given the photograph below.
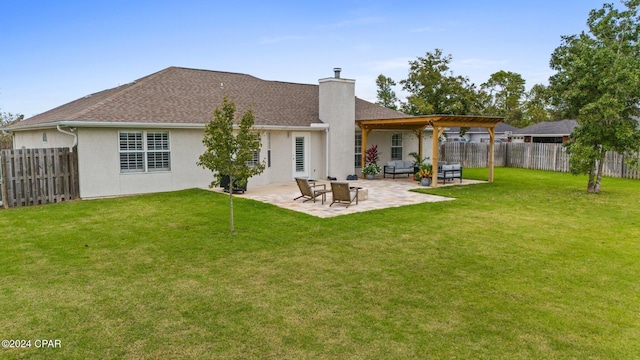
(382, 193)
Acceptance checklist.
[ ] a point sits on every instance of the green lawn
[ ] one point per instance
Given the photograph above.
(530, 266)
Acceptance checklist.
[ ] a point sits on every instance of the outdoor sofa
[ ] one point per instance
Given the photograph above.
(396, 167)
(449, 172)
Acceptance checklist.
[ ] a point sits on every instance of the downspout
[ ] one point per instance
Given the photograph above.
(75, 136)
(326, 155)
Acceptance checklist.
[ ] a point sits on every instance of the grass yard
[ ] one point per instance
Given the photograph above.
(528, 267)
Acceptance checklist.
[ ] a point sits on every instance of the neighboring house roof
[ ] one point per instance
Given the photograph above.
(545, 128)
(189, 96)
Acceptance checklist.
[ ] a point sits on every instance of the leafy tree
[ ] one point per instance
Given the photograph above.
(433, 89)
(598, 83)
(228, 153)
(386, 96)
(505, 90)
(536, 107)
(7, 119)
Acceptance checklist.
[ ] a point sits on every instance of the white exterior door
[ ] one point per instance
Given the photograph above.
(300, 153)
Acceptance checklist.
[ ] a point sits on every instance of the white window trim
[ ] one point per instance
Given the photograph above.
(396, 146)
(358, 150)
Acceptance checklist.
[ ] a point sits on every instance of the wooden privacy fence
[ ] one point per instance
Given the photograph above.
(38, 176)
(537, 156)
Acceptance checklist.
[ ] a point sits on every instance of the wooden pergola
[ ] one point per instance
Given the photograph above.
(417, 124)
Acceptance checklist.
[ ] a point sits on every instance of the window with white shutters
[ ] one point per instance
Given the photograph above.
(144, 151)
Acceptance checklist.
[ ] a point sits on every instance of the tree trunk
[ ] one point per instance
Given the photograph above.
(231, 201)
(592, 179)
(599, 174)
(595, 174)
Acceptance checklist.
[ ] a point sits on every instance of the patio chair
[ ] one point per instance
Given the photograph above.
(343, 194)
(309, 192)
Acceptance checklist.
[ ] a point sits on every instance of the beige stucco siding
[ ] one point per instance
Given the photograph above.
(186, 148)
(99, 165)
(281, 169)
(281, 156)
(99, 160)
(34, 139)
(317, 156)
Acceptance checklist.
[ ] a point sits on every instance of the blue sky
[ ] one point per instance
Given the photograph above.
(54, 52)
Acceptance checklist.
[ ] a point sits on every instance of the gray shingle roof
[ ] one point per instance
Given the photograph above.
(369, 111)
(189, 96)
(562, 127)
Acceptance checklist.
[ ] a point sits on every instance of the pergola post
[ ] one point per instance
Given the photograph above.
(365, 134)
(492, 137)
(435, 150)
(418, 133)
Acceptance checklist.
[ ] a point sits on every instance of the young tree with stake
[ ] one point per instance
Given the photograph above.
(228, 153)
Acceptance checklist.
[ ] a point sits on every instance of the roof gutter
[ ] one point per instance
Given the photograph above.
(75, 136)
(147, 125)
(312, 127)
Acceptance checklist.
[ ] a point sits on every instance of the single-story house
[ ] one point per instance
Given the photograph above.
(545, 132)
(146, 136)
(479, 134)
